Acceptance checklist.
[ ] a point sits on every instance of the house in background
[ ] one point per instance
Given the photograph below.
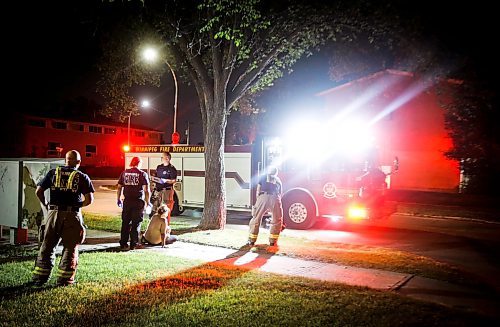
(407, 121)
(99, 142)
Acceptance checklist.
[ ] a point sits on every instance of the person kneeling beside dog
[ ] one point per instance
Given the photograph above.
(158, 231)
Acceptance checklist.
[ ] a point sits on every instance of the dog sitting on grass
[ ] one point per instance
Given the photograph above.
(158, 231)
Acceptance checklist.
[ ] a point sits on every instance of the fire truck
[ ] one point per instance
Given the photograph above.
(320, 179)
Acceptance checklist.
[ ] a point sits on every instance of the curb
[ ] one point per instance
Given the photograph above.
(401, 283)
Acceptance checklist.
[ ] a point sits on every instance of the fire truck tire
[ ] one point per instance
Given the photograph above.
(298, 211)
(177, 209)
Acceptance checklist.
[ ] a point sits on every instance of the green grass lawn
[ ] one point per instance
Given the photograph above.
(147, 288)
(114, 223)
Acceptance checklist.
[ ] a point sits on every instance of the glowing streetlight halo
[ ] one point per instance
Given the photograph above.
(150, 54)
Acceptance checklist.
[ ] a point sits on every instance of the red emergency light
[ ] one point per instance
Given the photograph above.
(357, 212)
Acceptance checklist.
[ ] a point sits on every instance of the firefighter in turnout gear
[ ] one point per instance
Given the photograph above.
(166, 174)
(135, 185)
(70, 189)
(269, 192)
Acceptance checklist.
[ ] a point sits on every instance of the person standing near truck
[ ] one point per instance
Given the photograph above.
(269, 191)
(135, 186)
(372, 190)
(166, 174)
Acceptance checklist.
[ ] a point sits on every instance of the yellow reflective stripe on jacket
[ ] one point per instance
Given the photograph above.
(58, 177)
(69, 183)
(274, 235)
(70, 180)
(253, 236)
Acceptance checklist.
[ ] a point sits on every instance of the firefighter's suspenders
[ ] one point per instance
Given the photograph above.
(69, 183)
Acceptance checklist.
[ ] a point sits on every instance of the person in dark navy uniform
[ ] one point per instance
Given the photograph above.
(166, 175)
(70, 189)
(135, 185)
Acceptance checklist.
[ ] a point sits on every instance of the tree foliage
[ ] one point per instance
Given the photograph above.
(471, 119)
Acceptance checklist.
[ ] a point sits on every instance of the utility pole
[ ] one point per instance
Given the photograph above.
(187, 132)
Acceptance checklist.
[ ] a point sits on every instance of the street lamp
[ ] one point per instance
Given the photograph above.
(151, 55)
(146, 104)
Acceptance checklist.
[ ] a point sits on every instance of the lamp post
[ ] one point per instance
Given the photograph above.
(128, 130)
(150, 55)
(126, 147)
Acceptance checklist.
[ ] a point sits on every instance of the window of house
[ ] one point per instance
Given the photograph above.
(139, 134)
(90, 150)
(59, 125)
(54, 149)
(109, 130)
(36, 122)
(95, 129)
(76, 127)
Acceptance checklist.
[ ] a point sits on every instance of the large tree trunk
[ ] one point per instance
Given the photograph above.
(214, 213)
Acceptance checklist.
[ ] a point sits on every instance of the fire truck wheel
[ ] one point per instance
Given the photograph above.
(298, 211)
(177, 209)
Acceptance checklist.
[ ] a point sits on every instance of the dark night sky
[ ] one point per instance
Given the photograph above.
(51, 54)
(51, 51)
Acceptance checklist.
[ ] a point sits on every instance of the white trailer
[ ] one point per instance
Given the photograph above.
(190, 164)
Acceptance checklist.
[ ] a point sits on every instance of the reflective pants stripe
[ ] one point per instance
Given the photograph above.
(65, 273)
(41, 271)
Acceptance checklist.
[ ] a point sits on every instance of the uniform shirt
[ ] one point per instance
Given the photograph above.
(67, 186)
(270, 187)
(165, 172)
(132, 181)
(155, 228)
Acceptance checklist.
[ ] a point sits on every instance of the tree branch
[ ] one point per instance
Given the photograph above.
(230, 58)
(216, 63)
(198, 67)
(250, 77)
